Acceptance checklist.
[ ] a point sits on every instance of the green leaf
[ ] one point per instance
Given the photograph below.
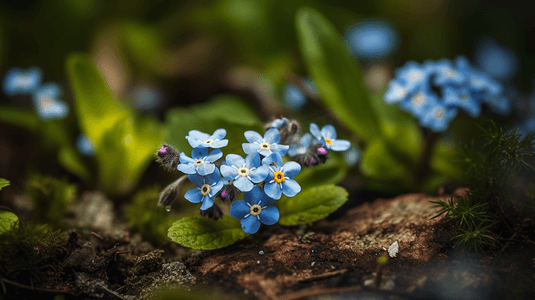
(3, 183)
(311, 205)
(199, 233)
(7, 219)
(335, 73)
(20, 117)
(378, 162)
(71, 160)
(144, 44)
(332, 172)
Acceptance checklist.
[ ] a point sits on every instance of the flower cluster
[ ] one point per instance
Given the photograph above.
(261, 175)
(45, 97)
(435, 91)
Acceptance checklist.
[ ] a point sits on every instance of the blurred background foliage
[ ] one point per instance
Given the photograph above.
(173, 66)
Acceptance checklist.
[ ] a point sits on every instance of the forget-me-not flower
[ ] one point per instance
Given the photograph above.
(294, 98)
(255, 209)
(497, 60)
(280, 177)
(207, 187)
(85, 145)
(304, 143)
(244, 172)
(413, 75)
(200, 139)
(264, 145)
(438, 117)
(462, 98)
(201, 161)
(446, 73)
(327, 136)
(18, 81)
(372, 39)
(46, 102)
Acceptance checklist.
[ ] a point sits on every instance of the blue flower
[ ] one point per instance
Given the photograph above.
(255, 209)
(201, 162)
(396, 92)
(418, 104)
(266, 145)
(244, 172)
(327, 136)
(46, 102)
(85, 145)
(277, 123)
(201, 139)
(498, 61)
(414, 76)
(446, 73)
(352, 156)
(462, 98)
(372, 39)
(18, 81)
(280, 177)
(438, 117)
(207, 187)
(304, 143)
(294, 98)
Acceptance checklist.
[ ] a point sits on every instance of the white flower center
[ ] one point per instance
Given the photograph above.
(243, 172)
(439, 113)
(464, 97)
(198, 162)
(205, 189)
(265, 146)
(255, 210)
(45, 102)
(450, 73)
(415, 76)
(208, 142)
(418, 99)
(400, 92)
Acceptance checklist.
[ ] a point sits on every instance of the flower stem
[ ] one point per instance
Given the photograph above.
(425, 158)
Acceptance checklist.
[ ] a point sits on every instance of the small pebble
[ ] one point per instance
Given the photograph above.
(261, 252)
(313, 263)
(313, 251)
(393, 250)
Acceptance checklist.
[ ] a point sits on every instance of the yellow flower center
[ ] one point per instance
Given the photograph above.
(255, 210)
(198, 162)
(265, 146)
(208, 142)
(278, 177)
(418, 99)
(243, 172)
(439, 114)
(328, 141)
(205, 189)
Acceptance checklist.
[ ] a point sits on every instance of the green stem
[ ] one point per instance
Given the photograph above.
(425, 158)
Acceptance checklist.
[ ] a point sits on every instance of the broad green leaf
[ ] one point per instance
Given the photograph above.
(3, 183)
(311, 205)
(378, 162)
(144, 44)
(7, 219)
(71, 160)
(332, 172)
(335, 73)
(96, 107)
(20, 117)
(226, 112)
(199, 233)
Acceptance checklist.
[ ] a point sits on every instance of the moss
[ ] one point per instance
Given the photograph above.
(30, 253)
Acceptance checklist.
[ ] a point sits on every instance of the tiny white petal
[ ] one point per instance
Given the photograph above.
(393, 250)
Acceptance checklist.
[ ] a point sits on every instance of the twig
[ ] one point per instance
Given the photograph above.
(110, 292)
(97, 235)
(324, 275)
(425, 158)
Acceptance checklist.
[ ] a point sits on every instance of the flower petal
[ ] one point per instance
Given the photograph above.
(216, 188)
(184, 159)
(196, 179)
(219, 144)
(273, 157)
(340, 145)
(272, 136)
(228, 173)
(249, 148)
(238, 209)
(290, 187)
(282, 149)
(214, 177)
(273, 190)
(214, 155)
(206, 169)
(193, 196)
(235, 160)
(197, 135)
(252, 160)
(243, 184)
(253, 136)
(329, 132)
(315, 130)
(207, 202)
(250, 224)
(254, 195)
(187, 168)
(219, 134)
(199, 152)
(269, 215)
(267, 200)
(291, 169)
(259, 174)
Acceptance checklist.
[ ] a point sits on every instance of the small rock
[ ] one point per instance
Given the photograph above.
(393, 250)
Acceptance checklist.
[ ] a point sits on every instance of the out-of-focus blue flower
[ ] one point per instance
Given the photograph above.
(264, 145)
(419, 103)
(200, 139)
(277, 123)
(396, 92)
(207, 187)
(304, 143)
(352, 156)
(494, 59)
(413, 76)
(46, 103)
(438, 117)
(462, 98)
(372, 39)
(527, 126)
(18, 81)
(244, 172)
(280, 177)
(327, 136)
(293, 97)
(201, 161)
(255, 209)
(147, 98)
(446, 73)
(85, 145)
